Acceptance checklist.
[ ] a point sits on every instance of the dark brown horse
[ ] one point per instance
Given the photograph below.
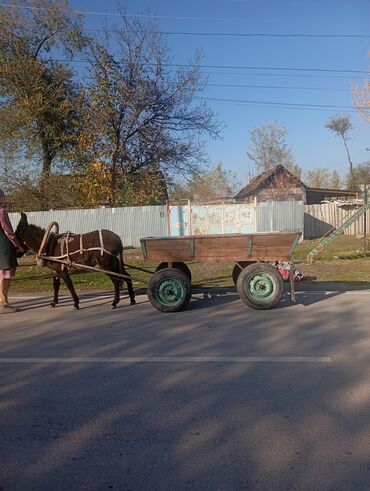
(102, 249)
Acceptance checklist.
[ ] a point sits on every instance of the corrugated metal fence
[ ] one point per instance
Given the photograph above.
(280, 216)
(129, 223)
(319, 219)
(132, 223)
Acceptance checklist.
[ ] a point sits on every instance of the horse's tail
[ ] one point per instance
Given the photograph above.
(127, 276)
(121, 263)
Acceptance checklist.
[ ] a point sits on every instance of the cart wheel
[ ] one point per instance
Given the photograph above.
(169, 290)
(238, 269)
(177, 265)
(260, 286)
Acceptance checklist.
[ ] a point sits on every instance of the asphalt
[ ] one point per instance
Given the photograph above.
(218, 396)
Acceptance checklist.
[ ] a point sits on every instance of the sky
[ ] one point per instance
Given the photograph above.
(339, 63)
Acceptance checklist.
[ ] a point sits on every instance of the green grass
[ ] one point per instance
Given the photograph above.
(342, 247)
(342, 261)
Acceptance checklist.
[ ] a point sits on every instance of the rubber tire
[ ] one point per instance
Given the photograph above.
(158, 278)
(177, 265)
(247, 274)
(236, 270)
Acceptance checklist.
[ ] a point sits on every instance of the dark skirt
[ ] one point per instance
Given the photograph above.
(8, 253)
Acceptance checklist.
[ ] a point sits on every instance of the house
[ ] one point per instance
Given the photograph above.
(279, 184)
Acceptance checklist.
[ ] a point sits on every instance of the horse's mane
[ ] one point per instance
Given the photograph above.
(35, 228)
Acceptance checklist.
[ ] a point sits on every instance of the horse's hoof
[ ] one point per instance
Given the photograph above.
(133, 302)
(53, 305)
(114, 306)
(77, 307)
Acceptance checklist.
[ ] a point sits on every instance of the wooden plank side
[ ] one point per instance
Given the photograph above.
(228, 247)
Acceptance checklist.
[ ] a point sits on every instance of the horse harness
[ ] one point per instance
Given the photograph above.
(64, 242)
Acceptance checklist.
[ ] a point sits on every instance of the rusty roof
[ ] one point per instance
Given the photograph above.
(264, 179)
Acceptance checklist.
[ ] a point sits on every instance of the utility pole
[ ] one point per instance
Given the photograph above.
(365, 232)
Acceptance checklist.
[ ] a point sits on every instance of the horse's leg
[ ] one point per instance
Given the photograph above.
(71, 288)
(129, 287)
(116, 282)
(56, 286)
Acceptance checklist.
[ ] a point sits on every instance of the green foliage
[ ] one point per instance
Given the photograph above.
(340, 124)
(293, 169)
(322, 178)
(208, 185)
(134, 115)
(269, 148)
(361, 175)
(335, 180)
(40, 104)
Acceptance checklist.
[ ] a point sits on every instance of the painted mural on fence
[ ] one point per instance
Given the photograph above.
(212, 219)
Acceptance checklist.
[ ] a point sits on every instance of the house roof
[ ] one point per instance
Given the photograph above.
(333, 192)
(264, 179)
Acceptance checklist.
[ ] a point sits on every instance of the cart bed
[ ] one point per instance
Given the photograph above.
(272, 246)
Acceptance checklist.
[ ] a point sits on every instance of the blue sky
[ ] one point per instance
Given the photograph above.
(311, 143)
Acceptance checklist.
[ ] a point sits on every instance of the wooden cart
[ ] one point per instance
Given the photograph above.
(258, 282)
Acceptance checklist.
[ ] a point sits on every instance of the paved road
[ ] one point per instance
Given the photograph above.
(216, 397)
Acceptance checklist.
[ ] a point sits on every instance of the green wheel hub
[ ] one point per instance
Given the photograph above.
(170, 292)
(261, 287)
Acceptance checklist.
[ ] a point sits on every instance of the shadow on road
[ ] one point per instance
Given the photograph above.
(143, 426)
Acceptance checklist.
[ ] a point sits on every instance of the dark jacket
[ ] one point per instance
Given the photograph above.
(8, 251)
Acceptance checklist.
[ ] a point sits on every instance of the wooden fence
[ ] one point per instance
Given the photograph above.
(320, 219)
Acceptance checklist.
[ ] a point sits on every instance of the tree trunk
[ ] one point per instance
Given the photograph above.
(113, 181)
(350, 164)
(47, 159)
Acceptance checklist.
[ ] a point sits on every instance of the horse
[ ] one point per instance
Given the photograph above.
(101, 249)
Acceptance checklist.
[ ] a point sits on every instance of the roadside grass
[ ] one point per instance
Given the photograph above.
(342, 247)
(342, 261)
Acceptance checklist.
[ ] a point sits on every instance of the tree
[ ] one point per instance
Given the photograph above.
(39, 101)
(341, 125)
(143, 115)
(361, 175)
(361, 99)
(322, 178)
(209, 185)
(294, 169)
(269, 148)
(94, 187)
(335, 180)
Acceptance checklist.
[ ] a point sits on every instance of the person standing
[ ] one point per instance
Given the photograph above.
(9, 245)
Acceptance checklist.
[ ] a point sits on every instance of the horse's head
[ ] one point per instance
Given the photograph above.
(21, 231)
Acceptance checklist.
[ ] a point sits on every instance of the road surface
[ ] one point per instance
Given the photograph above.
(216, 397)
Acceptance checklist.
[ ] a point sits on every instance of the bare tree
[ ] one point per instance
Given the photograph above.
(361, 98)
(142, 114)
(269, 148)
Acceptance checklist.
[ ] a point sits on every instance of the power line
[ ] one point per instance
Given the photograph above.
(235, 103)
(288, 104)
(231, 67)
(242, 34)
(150, 16)
(263, 34)
(283, 75)
(275, 87)
(117, 14)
